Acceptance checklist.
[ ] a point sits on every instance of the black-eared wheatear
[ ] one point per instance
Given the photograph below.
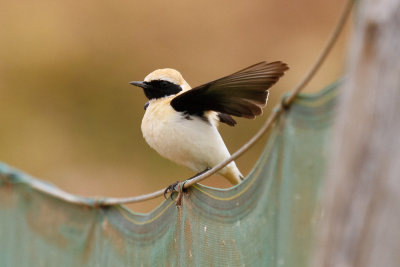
(181, 123)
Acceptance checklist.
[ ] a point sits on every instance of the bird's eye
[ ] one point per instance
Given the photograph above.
(164, 83)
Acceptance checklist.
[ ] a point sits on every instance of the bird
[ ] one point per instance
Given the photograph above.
(181, 123)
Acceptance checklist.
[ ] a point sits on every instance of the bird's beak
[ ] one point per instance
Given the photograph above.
(139, 84)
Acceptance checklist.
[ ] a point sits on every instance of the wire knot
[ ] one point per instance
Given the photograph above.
(179, 188)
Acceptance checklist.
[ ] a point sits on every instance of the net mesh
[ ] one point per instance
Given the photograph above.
(267, 220)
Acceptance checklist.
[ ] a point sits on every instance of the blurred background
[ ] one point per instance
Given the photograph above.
(68, 114)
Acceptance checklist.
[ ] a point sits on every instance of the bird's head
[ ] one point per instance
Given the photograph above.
(161, 83)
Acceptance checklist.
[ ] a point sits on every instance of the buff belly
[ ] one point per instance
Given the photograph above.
(193, 142)
(190, 141)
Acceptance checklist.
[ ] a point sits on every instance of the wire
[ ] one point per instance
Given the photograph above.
(279, 108)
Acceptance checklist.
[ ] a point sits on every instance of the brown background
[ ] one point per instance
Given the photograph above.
(68, 114)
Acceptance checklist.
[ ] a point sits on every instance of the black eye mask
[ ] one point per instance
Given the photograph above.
(160, 88)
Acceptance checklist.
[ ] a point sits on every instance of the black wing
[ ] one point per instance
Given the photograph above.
(242, 94)
(225, 118)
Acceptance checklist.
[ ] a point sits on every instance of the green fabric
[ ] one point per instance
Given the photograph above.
(267, 220)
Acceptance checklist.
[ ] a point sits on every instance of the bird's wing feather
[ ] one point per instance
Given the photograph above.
(242, 94)
(225, 118)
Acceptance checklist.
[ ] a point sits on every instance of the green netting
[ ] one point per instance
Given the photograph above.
(267, 220)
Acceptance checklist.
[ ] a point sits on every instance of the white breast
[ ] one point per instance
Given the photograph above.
(194, 142)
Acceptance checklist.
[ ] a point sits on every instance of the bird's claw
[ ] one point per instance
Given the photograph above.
(170, 189)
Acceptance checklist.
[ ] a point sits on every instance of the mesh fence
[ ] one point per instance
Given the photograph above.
(267, 220)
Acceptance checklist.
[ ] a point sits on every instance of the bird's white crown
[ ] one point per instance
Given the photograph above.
(169, 75)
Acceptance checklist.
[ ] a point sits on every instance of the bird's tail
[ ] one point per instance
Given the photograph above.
(232, 173)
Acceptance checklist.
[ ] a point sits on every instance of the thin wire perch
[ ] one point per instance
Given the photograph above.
(278, 109)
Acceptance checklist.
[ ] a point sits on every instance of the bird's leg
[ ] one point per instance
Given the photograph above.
(172, 187)
(198, 174)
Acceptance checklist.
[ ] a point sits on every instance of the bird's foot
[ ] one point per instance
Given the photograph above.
(178, 187)
(170, 189)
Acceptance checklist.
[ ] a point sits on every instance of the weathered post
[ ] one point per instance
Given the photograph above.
(361, 225)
